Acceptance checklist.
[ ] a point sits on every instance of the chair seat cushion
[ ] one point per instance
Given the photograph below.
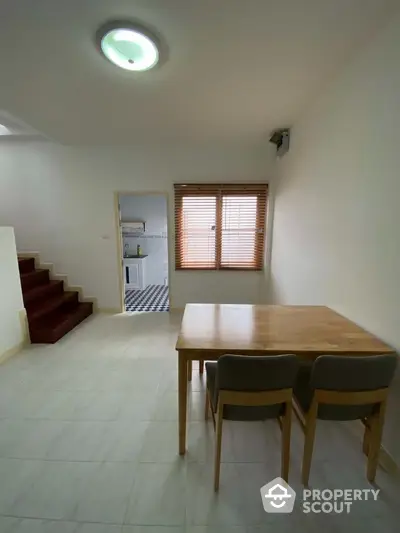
(238, 412)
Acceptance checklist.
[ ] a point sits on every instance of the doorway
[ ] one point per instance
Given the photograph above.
(143, 237)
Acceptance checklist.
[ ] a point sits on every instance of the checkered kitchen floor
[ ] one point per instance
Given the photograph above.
(152, 298)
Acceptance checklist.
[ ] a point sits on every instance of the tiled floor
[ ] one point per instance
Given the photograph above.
(88, 444)
(152, 299)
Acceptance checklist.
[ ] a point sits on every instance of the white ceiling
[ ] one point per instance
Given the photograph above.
(235, 70)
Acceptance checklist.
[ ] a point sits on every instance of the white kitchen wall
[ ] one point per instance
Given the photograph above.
(154, 243)
(60, 202)
(11, 304)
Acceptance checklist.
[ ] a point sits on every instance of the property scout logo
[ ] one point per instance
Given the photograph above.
(279, 497)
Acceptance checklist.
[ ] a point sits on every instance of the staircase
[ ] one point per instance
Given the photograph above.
(51, 310)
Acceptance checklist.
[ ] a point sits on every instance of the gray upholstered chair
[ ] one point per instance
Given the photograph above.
(251, 388)
(344, 388)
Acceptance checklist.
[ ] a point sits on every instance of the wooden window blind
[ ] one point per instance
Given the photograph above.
(220, 227)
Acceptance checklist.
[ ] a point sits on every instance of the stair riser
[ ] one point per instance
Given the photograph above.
(39, 278)
(26, 265)
(71, 304)
(39, 313)
(50, 336)
(48, 291)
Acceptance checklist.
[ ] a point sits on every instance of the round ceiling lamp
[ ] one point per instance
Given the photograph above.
(128, 46)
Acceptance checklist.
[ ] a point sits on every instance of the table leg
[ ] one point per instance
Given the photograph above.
(182, 394)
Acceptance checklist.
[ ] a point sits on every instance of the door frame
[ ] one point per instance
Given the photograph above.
(119, 247)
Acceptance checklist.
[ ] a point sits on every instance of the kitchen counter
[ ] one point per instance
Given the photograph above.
(135, 272)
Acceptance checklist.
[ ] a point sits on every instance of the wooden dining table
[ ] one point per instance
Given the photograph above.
(211, 330)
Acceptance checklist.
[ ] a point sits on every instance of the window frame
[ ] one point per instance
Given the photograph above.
(219, 191)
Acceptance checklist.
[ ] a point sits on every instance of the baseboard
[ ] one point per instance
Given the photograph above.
(35, 255)
(10, 352)
(109, 310)
(23, 320)
(387, 462)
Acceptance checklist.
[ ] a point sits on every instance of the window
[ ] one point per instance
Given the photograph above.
(220, 227)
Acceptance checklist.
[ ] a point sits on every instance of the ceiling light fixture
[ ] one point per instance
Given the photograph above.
(4, 130)
(128, 46)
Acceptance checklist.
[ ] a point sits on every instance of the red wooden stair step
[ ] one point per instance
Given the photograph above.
(43, 307)
(52, 312)
(34, 278)
(56, 325)
(47, 290)
(26, 264)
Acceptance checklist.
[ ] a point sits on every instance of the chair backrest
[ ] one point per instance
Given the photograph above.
(351, 374)
(255, 374)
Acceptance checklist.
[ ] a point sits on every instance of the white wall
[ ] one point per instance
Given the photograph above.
(11, 333)
(337, 217)
(154, 243)
(60, 201)
(336, 237)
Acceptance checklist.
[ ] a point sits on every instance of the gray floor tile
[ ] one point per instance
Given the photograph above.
(28, 439)
(23, 401)
(29, 525)
(100, 407)
(99, 441)
(153, 529)
(138, 405)
(204, 506)
(104, 494)
(216, 529)
(124, 440)
(201, 442)
(165, 409)
(256, 442)
(8, 524)
(80, 441)
(252, 477)
(16, 477)
(158, 495)
(160, 443)
(54, 491)
(98, 528)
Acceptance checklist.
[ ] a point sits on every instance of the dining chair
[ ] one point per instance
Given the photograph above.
(251, 388)
(344, 388)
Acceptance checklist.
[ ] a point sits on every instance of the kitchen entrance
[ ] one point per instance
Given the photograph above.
(144, 248)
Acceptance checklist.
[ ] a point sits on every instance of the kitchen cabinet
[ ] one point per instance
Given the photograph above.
(135, 272)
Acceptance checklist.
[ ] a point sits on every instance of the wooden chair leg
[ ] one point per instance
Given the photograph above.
(309, 436)
(207, 405)
(286, 429)
(376, 425)
(212, 414)
(189, 371)
(367, 437)
(201, 367)
(218, 444)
